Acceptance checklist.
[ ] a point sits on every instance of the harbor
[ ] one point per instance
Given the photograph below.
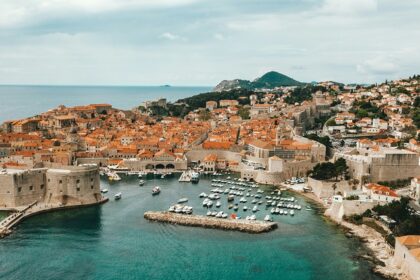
(210, 222)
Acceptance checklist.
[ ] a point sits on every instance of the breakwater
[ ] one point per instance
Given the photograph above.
(210, 222)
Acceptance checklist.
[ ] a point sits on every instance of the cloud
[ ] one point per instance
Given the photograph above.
(337, 7)
(170, 36)
(379, 65)
(23, 12)
(218, 36)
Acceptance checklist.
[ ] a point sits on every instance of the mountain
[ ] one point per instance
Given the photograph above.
(270, 80)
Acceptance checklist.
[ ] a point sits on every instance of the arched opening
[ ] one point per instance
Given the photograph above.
(160, 166)
(150, 166)
(170, 166)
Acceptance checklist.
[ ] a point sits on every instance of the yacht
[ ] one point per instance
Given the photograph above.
(114, 177)
(267, 218)
(205, 201)
(235, 207)
(104, 190)
(209, 203)
(218, 204)
(195, 177)
(203, 194)
(208, 213)
(252, 218)
(141, 182)
(292, 212)
(254, 201)
(243, 200)
(172, 209)
(230, 206)
(118, 196)
(224, 215)
(183, 200)
(230, 198)
(255, 209)
(155, 190)
(245, 208)
(273, 211)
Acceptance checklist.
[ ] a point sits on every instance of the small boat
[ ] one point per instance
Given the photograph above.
(224, 215)
(214, 213)
(209, 203)
(218, 204)
(273, 211)
(292, 212)
(267, 218)
(141, 182)
(252, 218)
(255, 209)
(114, 177)
(245, 208)
(195, 177)
(235, 208)
(203, 194)
(172, 209)
(118, 196)
(230, 198)
(243, 200)
(163, 176)
(104, 190)
(219, 215)
(205, 201)
(254, 201)
(183, 200)
(155, 190)
(208, 213)
(285, 212)
(230, 206)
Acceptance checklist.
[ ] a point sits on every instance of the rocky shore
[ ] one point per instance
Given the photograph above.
(381, 253)
(210, 222)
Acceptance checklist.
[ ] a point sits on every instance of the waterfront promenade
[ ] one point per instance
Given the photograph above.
(211, 222)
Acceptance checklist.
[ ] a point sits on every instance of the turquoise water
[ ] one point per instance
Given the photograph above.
(114, 241)
(24, 101)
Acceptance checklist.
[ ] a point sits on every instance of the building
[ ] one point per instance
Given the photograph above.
(211, 105)
(60, 186)
(407, 255)
(380, 164)
(415, 189)
(227, 103)
(380, 193)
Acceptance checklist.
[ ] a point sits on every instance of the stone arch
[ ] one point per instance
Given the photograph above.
(170, 166)
(160, 166)
(150, 166)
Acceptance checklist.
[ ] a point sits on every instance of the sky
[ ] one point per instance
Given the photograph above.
(201, 42)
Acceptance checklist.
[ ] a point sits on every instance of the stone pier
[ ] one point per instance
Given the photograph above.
(210, 222)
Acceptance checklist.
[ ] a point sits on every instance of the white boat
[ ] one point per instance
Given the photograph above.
(208, 213)
(267, 218)
(203, 194)
(235, 208)
(141, 182)
(172, 209)
(118, 196)
(281, 212)
(114, 177)
(243, 200)
(285, 212)
(104, 190)
(219, 215)
(252, 218)
(218, 204)
(205, 201)
(224, 215)
(183, 200)
(255, 209)
(273, 211)
(209, 203)
(155, 190)
(292, 212)
(245, 208)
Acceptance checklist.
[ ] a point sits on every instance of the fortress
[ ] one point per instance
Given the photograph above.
(69, 186)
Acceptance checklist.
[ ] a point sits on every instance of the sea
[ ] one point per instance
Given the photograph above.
(23, 101)
(114, 241)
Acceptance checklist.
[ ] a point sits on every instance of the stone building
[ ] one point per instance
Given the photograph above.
(381, 164)
(65, 186)
(407, 255)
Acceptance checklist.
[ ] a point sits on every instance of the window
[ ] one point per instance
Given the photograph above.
(91, 179)
(78, 189)
(42, 186)
(19, 189)
(91, 187)
(31, 188)
(77, 181)
(61, 181)
(48, 179)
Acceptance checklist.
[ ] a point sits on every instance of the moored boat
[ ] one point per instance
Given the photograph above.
(155, 190)
(118, 196)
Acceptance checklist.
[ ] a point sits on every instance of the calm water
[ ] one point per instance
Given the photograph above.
(23, 101)
(113, 241)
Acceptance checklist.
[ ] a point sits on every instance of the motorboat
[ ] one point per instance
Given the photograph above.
(141, 182)
(245, 208)
(209, 203)
(253, 218)
(104, 190)
(114, 177)
(208, 213)
(254, 201)
(230, 198)
(224, 215)
(155, 190)
(195, 177)
(243, 200)
(183, 200)
(292, 212)
(235, 208)
(267, 218)
(218, 204)
(203, 194)
(230, 206)
(118, 196)
(255, 208)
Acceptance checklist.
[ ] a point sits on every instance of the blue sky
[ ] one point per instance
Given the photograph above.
(200, 42)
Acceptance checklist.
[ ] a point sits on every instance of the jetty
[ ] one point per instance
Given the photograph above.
(210, 222)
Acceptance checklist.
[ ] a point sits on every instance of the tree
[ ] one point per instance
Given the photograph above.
(341, 168)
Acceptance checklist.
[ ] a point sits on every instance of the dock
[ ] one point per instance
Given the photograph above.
(210, 222)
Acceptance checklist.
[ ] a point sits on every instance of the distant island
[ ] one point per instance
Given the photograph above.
(269, 80)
